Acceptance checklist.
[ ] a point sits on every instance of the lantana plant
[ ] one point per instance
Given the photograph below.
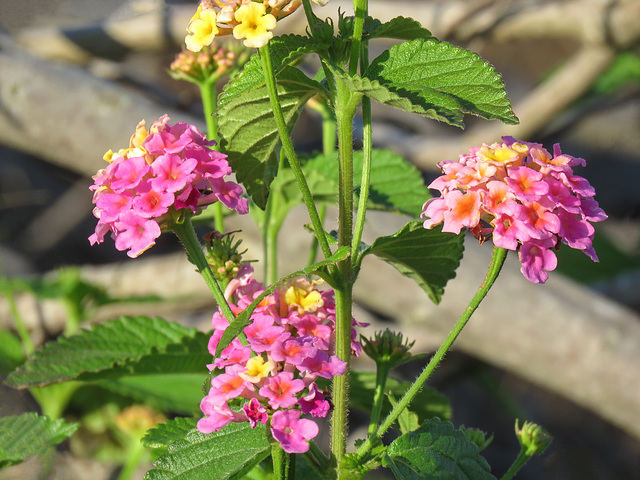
(277, 363)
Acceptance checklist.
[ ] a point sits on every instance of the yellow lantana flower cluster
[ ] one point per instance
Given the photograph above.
(245, 19)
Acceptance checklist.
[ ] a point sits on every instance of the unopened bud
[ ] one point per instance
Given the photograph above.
(533, 438)
(387, 347)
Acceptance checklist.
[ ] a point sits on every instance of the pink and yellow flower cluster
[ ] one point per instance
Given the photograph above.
(522, 197)
(271, 377)
(165, 169)
(245, 19)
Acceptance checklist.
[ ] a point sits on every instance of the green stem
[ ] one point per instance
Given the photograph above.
(317, 459)
(23, 332)
(308, 11)
(187, 236)
(135, 453)
(284, 464)
(287, 146)
(313, 250)
(209, 104)
(522, 458)
(367, 149)
(497, 260)
(346, 104)
(382, 373)
(360, 9)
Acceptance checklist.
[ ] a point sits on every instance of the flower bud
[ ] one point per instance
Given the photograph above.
(387, 347)
(533, 438)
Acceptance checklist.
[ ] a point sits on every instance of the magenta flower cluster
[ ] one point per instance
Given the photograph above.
(166, 169)
(271, 378)
(522, 197)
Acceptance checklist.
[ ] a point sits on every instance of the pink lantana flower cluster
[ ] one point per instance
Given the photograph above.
(272, 377)
(522, 197)
(165, 169)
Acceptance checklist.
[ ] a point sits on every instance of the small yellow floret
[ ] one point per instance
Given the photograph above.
(202, 29)
(303, 296)
(254, 25)
(499, 153)
(257, 369)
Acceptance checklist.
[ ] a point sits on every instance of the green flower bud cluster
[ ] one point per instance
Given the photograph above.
(223, 255)
(389, 348)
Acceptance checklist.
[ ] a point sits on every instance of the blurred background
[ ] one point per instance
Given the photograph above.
(76, 76)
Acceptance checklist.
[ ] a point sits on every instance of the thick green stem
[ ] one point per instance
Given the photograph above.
(284, 464)
(209, 102)
(497, 260)
(360, 10)
(287, 146)
(382, 373)
(346, 104)
(187, 236)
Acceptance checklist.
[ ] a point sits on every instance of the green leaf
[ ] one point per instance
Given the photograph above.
(168, 432)
(441, 108)
(11, 353)
(30, 434)
(103, 348)
(436, 451)
(228, 454)
(428, 404)
(430, 257)
(178, 393)
(396, 185)
(400, 28)
(244, 318)
(248, 129)
(442, 78)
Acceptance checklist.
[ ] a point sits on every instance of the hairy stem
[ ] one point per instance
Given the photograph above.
(187, 236)
(287, 146)
(497, 260)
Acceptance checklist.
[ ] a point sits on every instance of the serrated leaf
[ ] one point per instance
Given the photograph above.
(428, 404)
(227, 454)
(429, 257)
(244, 318)
(400, 28)
(436, 451)
(440, 107)
(104, 347)
(248, 129)
(30, 434)
(437, 75)
(395, 184)
(168, 432)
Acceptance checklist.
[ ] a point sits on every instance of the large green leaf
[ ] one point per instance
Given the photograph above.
(166, 433)
(395, 184)
(227, 454)
(435, 75)
(101, 349)
(436, 451)
(400, 28)
(428, 404)
(430, 257)
(30, 434)
(248, 129)
(440, 107)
